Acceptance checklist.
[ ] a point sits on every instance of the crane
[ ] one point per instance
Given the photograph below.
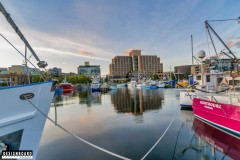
(41, 64)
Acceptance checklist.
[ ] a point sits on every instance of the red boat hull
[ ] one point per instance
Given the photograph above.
(221, 115)
(67, 88)
(221, 141)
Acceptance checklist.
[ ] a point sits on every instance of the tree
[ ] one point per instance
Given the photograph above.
(172, 75)
(83, 79)
(37, 78)
(106, 79)
(154, 77)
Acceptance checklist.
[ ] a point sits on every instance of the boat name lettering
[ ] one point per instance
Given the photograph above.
(209, 104)
(190, 95)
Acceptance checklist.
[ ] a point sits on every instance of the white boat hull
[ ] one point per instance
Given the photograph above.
(186, 98)
(20, 116)
(161, 85)
(122, 85)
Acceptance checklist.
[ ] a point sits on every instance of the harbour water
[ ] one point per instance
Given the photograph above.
(127, 122)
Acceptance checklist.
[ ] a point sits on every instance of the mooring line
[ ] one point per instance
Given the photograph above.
(75, 136)
(159, 138)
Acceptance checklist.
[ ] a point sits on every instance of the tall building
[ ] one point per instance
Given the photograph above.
(136, 64)
(89, 70)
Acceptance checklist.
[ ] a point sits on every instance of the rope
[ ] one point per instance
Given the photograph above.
(22, 54)
(77, 137)
(160, 138)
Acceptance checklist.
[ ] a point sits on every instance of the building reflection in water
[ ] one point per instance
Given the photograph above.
(89, 98)
(135, 101)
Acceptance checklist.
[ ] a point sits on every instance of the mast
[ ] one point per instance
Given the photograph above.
(209, 28)
(41, 64)
(192, 48)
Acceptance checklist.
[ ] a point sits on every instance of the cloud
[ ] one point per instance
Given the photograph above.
(66, 53)
(230, 44)
(86, 53)
(232, 37)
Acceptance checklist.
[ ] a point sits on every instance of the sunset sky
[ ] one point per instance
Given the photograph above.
(65, 33)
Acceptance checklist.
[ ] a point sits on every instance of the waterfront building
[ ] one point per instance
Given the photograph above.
(89, 70)
(135, 64)
(3, 70)
(55, 71)
(23, 70)
(18, 69)
(183, 71)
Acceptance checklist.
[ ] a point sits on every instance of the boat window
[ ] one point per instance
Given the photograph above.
(236, 82)
(208, 78)
(198, 77)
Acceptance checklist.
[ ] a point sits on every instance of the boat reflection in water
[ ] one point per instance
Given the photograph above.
(89, 98)
(135, 101)
(200, 140)
(217, 139)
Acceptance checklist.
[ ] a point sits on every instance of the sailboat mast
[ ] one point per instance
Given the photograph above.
(192, 48)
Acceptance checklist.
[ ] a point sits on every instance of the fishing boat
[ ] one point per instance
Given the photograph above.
(220, 109)
(67, 87)
(23, 107)
(21, 123)
(95, 85)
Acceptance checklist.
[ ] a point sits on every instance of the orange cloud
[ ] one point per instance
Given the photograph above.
(86, 53)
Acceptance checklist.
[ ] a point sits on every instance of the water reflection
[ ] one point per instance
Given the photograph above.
(136, 101)
(202, 141)
(65, 99)
(89, 98)
(217, 139)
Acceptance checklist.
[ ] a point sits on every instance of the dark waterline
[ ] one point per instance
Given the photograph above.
(126, 122)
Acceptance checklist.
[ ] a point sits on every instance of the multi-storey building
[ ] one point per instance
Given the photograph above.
(135, 64)
(89, 70)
